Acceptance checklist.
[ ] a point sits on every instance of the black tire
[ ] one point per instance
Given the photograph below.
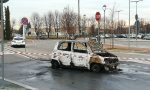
(55, 64)
(95, 68)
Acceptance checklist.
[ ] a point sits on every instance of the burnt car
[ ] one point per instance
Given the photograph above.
(83, 54)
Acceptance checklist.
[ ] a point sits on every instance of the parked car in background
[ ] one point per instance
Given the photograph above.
(121, 36)
(18, 41)
(83, 54)
(140, 36)
(147, 37)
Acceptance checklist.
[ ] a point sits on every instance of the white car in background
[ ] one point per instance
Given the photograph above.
(18, 41)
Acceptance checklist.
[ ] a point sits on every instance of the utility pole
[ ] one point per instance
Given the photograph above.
(104, 8)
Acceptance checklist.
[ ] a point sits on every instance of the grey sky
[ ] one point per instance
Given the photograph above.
(21, 8)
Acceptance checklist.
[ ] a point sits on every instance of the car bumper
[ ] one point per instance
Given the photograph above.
(18, 44)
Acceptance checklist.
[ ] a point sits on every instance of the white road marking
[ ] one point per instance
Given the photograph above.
(20, 84)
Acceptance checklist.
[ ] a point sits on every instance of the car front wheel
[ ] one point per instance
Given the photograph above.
(55, 64)
(95, 68)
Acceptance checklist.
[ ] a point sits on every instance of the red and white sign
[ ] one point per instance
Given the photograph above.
(97, 16)
(24, 21)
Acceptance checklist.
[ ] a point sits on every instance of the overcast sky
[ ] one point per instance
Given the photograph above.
(25, 8)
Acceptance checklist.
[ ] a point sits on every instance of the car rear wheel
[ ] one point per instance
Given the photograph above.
(95, 68)
(55, 64)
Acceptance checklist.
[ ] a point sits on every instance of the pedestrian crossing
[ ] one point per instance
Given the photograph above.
(9, 52)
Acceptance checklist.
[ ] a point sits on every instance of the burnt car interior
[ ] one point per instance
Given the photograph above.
(80, 47)
(65, 46)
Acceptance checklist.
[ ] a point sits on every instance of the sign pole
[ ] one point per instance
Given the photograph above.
(24, 35)
(2, 41)
(24, 22)
(98, 32)
(98, 17)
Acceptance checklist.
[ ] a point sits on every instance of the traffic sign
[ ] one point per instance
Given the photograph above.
(24, 21)
(97, 16)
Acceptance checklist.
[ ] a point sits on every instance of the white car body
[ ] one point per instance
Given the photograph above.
(78, 54)
(18, 41)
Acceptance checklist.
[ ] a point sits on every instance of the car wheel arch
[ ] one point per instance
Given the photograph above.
(55, 63)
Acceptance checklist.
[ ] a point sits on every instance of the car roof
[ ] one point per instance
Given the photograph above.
(83, 41)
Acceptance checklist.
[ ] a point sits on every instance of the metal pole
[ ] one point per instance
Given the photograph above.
(98, 32)
(24, 35)
(79, 17)
(118, 20)
(2, 42)
(104, 8)
(104, 26)
(136, 24)
(129, 28)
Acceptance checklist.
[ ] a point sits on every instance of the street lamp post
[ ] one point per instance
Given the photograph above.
(104, 8)
(80, 32)
(118, 18)
(136, 17)
(129, 27)
(84, 25)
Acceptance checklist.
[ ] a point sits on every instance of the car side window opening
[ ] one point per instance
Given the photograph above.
(80, 47)
(65, 46)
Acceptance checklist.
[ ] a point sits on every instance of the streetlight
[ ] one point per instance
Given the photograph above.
(104, 8)
(136, 17)
(79, 17)
(84, 25)
(129, 27)
(118, 18)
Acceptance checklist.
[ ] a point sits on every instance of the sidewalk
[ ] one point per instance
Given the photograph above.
(126, 48)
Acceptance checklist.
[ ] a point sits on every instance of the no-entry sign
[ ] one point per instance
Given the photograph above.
(24, 21)
(97, 16)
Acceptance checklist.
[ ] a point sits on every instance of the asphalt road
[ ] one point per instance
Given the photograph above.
(135, 74)
(39, 74)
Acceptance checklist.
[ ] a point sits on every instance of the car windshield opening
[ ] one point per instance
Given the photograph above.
(18, 38)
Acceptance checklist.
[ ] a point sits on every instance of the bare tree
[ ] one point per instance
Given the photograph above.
(91, 25)
(36, 21)
(69, 21)
(13, 23)
(46, 23)
(112, 24)
(50, 22)
(56, 22)
(122, 25)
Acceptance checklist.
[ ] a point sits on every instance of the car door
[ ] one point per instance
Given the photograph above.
(64, 53)
(80, 55)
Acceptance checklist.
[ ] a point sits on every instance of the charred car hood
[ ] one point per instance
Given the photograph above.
(105, 54)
